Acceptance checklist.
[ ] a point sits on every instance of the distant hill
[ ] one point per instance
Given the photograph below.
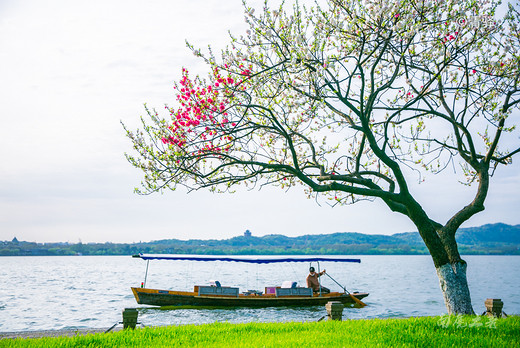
(492, 233)
(497, 239)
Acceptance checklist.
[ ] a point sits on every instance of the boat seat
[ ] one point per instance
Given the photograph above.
(217, 291)
(214, 283)
(288, 284)
(297, 291)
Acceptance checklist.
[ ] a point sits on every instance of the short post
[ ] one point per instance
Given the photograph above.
(129, 318)
(334, 310)
(494, 307)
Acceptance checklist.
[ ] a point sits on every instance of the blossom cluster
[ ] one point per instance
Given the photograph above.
(202, 116)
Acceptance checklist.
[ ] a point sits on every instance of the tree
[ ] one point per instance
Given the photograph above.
(350, 100)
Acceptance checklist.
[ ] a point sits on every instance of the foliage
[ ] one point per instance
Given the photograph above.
(457, 331)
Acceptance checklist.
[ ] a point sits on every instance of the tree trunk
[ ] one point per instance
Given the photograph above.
(454, 286)
(451, 269)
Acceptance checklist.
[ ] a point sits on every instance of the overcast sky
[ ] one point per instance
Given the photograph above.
(70, 71)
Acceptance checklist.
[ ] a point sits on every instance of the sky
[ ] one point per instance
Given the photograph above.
(71, 71)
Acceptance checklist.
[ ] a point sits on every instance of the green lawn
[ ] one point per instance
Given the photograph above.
(413, 332)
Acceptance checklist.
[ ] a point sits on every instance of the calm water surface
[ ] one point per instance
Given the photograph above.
(75, 292)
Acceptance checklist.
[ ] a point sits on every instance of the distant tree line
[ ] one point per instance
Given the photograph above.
(493, 239)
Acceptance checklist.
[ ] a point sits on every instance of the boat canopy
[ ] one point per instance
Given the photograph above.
(242, 259)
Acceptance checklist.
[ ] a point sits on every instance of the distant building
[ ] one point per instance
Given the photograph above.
(247, 234)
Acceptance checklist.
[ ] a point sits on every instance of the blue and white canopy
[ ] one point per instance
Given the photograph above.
(242, 259)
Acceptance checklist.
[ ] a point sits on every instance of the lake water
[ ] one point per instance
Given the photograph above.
(79, 292)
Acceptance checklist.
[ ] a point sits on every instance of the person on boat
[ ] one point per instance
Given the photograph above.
(314, 283)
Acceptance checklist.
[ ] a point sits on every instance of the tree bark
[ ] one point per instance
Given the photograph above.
(454, 286)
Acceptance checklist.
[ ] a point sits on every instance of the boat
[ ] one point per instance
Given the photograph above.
(215, 295)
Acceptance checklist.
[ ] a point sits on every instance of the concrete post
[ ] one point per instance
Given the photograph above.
(334, 310)
(494, 307)
(129, 318)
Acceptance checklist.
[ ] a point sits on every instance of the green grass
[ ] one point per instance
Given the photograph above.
(412, 332)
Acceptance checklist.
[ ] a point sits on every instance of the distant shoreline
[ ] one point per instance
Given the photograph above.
(491, 239)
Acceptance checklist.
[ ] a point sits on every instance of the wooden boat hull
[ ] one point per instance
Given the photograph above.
(155, 297)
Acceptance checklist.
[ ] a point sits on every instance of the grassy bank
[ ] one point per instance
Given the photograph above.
(413, 332)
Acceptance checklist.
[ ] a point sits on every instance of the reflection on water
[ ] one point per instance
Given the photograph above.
(69, 292)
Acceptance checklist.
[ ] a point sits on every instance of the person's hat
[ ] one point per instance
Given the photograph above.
(311, 269)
